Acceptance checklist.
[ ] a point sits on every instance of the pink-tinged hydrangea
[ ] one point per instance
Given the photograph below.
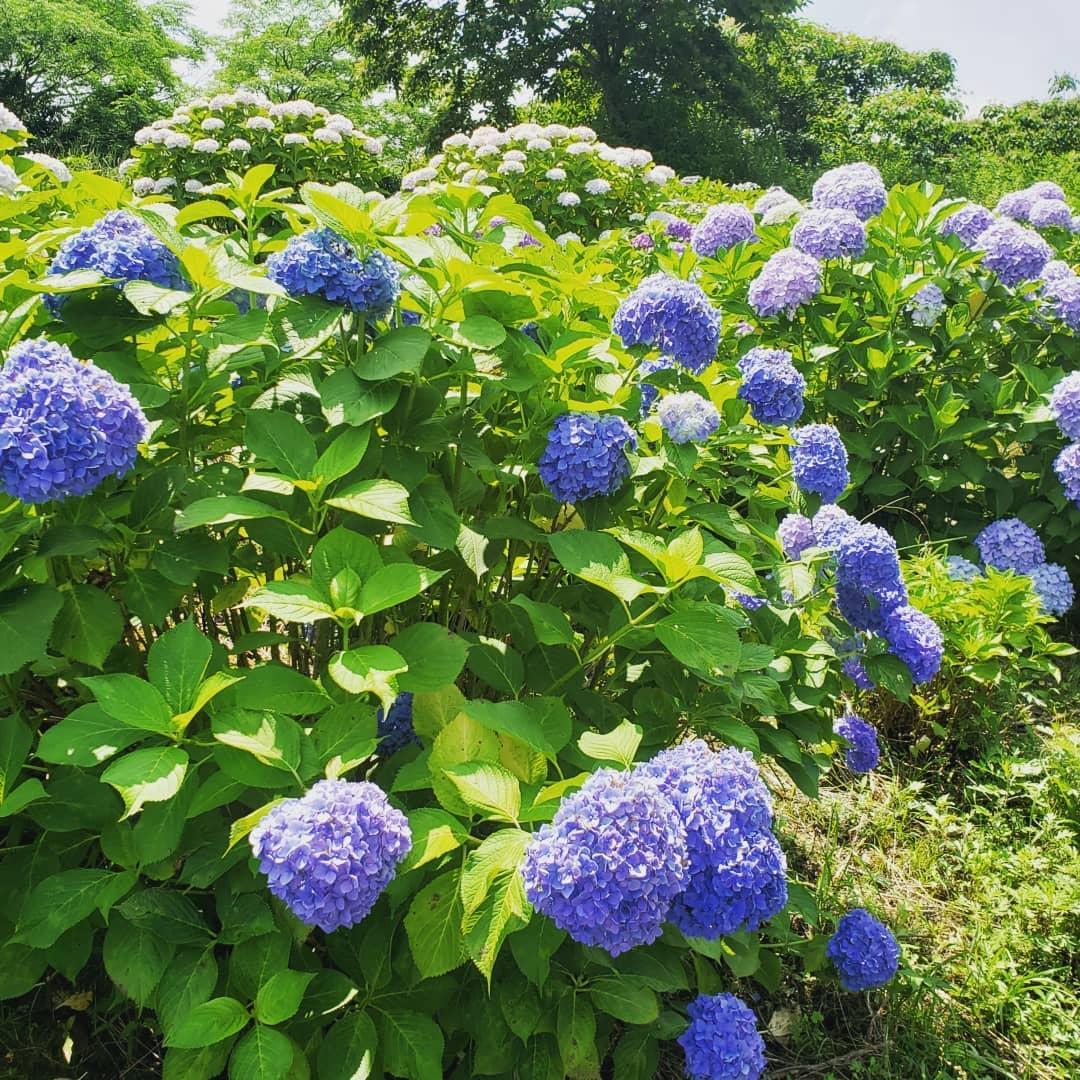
(721, 228)
(796, 534)
(1014, 253)
(65, 425)
(960, 569)
(915, 639)
(688, 417)
(819, 461)
(1067, 470)
(772, 386)
(831, 525)
(673, 315)
(1047, 213)
(329, 855)
(722, 1041)
(1054, 588)
(968, 223)
(679, 229)
(1062, 296)
(1065, 405)
(830, 234)
(857, 187)
(853, 668)
(585, 456)
(927, 305)
(863, 951)
(1010, 544)
(863, 753)
(788, 280)
(611, 862)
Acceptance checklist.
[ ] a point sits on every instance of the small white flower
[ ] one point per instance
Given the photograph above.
(251, 98)
(576, 148)
(485, 150)
(212, 123)
(239, 146)
(294, 138)
(320, 111)
(164, 184)
(660, 174)
(659, 216)
(474, 176)
(300, 107)
(9, 180)
(510, 167)
(57, 168)
(584, 134)
(538, 144)
(455, 141)
(556, 174)
(179, 119)
(514, 155)
(144, 185)
(597, 186)
(198, 103)
(326, 135)
(564, 238)
(126, 166)
(640, 158)
(259, 123)
(9, 121)
(782, 211)
(206, 146)
(568, 198)
(746, 185)
(556, 131)
(142, 136)
(373, 146)
(161, 123)
(436, 161)
(487, 136)
(525, 131)
(193, 187)
(337, 122)
(221, 101)
(177, 140)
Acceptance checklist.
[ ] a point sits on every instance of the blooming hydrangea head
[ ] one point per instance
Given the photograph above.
(796, 534)
(568, 198)
(1054, 588)
(329, 855)
(772, 386)
(1014, 253)
(610, 863)
(867, 560)
(395, 726)
(642, 241)
(1016, 204)
(1067, 469)
(788, 280)
(688, 417)
(916, 639)
(1009, 544)
(679, 229)
(853, 668)
(1047, 189)
(721, 228)
(968, 223)
(59, 170)
(1046, 213)
(857, 187)
(1056, 268)
(862, 753)
(9, 121)
(1065, 405)
(322, 263)
(597, 186)
(782, 212)
(819, 461)
(722, 1041)
(830, 234)
(9, 179)
(926, 305)
(585, 456)
(1062, 296)
(774, 196)
(650, 393)
(673, 315)
(960, 569)
(863, 951)
(831, 525)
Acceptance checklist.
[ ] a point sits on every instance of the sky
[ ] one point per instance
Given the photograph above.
(1005, 51)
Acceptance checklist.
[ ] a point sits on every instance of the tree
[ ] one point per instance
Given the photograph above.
(84, 74)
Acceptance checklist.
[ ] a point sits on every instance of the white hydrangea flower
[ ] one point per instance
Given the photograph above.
(299, 107)
(222, 101)
(9, 121)
(771, 197)
(576, 148)
(556, 174)
(326, 135)
(56, 167)
(661, 217)
(660, 174)
(564, 238)
(556, 131)
(206, 146)
(251, 98)
(538, 144)
(142, 136)
(321, 111)
(485, 135)
(126, 166)
(640, 158)
(160, 135)
(525, 131)
(514, 155)
(9, 179)
(239, 146)
(583, 134)
(144, 185)
(782, 211)
(294, 138)
(688, 181)
(597, 186)
(485, 150)
(177, 140)
(337, 122)
(193, 187)
(198, 103)
(163, 122)
(163, 184)
(452, 142)
(746, 185)
(373, 146)
(259, 123)
(507, 168)
(568, 198)
(474, 176)
(180, 118)
(212, 123)
(436, 161)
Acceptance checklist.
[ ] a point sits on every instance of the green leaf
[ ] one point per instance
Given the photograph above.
(131, 701)
(348, 1050)
(412, 1045)
(151, 775)
(401, 350)
(597, 558)
(177, 664)
(291, 601)
(433, 926)
(135, 959)
(223, 509)
(482, 331)
(60, 901)
(282, 441)
(493, 896)
(268, 737)
(549, 623)
(498, 665)
(167, 914)
(703, 640)
(347, 400)
(626, 997)
(262, 1054)
(619, 745)
(281, 689)
(243, 826)
(14, 746)
(343, 454)
(541, 723)
(534, 946)
(487, 787)
(26, 617)
(395, 584)
(636, 1056)
(576, 1030)
(88, 626)
(342, 549)
(434, 833)
(435, 656)
(22, 796)
(472, 547)
(208, 1023)
(345, 736)
(280, 996)
(461, 740)
(380, 500)
(188, 981)
(891, 674)
(434, 709)
(368, 669)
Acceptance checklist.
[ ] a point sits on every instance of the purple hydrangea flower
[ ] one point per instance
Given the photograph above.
(863, 753)
(867, 560)
(857, 187)
(916, 639)
(772, 386)
(926, 305)
(722, 1041)
(721, 228)
(831, 525)
(1067, 468)
(586, 456)
(643, 242)
(960, 569)
(864, 951)
(750, 603)
(1047, 189)
(1009, 544)
(1055, 591)
(610, 863)
(789, 279)
(1056, 268)
(64, 425)
(650, 393)
(528, 241)
(688, 417)
(1014, 253)
(673, 315)
(329, 855)
(1047, 213)
(1065, 405)
(679, 229)
(968, 223)
(742, 328)
(1016, 204)
(796, 534)
(396, 727)
(120, 247)
(819, 461)
(1062, 296)
(853, 668)
(830, 234)
(321, 263)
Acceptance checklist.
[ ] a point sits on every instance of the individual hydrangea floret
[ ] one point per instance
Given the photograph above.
(772, 386)
(831, 525)
(721, 228)
(960, 569)
(585, 456)
(329, 855)
(1010, 544)
(1062, 296)
(65, 425)
(395, 726)
(863, 951)
(915, 639)
(1054, 588)
(819, 461)
(863, 753)
(1014, 253)
(968, 223)
(853, 668)
(722, 1041)
(1067, 470)
(830, 234)
(788, 280)
(322, 263)
(673, 315)
(796, 534)
(688, 417)
(857, 187)
(927, 305)
(610, 863)
(1046, 213)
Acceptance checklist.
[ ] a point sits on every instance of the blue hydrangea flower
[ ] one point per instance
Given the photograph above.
(1062, 296)
(1055, 590)
(395, 726)
(321, 263)
(688, 417)
(329, 855)
(819, 461)
(610, 863)
(673, 315)
(750, 603)
(830, 234)
(650, 393)
(857, 187)
(867, 560)
(1065, 405)
(64, 425)
(853, 668)
(1045, 213)
(916, 639)
(831, 525)
(862, 753)
(926, 305)
(968, 223)
(586, 456)
(1009, 544)
(1016, 204)
(1067, 468)
(721, 228)
(120, 247)
(772, 386)
(864, 951)
(796, 534)
(961, 569)
(788, 280)
(722, 1041)
(1014, 253)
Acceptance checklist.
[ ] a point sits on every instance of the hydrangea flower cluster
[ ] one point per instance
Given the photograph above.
(834, 233)
(322, 263)
(1053, 587)
(796, 534)
(1047, 213)
(1014, 253)
(831, 525)
(968, 223)
(1019, 205)
(773, 197)
(1067, 470)
(863, 753)
(64, 425)
(1061, 295)
(722, 1041)
(853, 668)
(119, 247)
(688, 417)
(927, 305)
(819, 461)
(395, 726)
(863, 951)
(772, 386)
(1065, 405)
(722, 227)
(788, 280)
(1010, 544)
(868, 576)
(916, 639)
(857, 187)
(960, 569)
(585, 456)
(329, 855)
(9, 122)
(650, 393)
(673, 315)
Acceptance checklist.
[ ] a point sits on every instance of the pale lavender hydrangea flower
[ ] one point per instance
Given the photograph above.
(721, 228)
(829, 234)
(857, 187)
(1014, 253)
(787, 281)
